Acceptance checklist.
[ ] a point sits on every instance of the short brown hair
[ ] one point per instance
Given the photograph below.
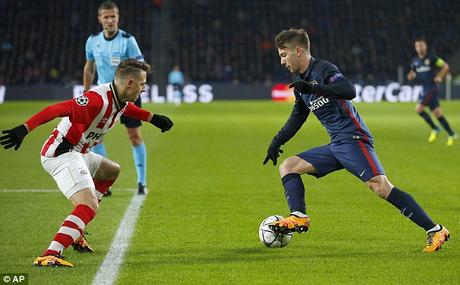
(107, 5)
(420, 39)
(297, 37)
(131, 66)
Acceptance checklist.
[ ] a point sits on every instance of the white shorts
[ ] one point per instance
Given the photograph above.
(73, 171)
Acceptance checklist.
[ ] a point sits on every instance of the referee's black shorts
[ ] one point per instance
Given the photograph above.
(132, 123)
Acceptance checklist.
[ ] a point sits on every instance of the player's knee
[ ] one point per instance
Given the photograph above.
(115, 171)
(437, 113)
(86, 197)
(135, 140)
(283, 168)
(419, 108)
(288, 166)
(381, 188)
(112, 172)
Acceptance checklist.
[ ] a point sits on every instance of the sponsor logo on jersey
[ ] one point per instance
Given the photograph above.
(93, 136)
(82, 100)
(318, 103)
(423, 69)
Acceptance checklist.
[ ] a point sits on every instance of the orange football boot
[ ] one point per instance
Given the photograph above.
(435, 240)
(81, 245)
(290, 224)
(52, 260)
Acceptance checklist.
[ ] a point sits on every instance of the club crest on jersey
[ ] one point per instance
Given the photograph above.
(318, 103)
(82, 100)
(427, 61)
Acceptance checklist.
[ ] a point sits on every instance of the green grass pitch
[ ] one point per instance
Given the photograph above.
(209, 192)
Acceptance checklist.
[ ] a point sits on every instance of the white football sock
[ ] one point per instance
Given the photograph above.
(434, 229)
(299, 214)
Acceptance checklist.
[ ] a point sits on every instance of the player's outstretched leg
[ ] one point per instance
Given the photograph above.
(71, 229)
(105, 176)
(434, 128)
(103, 179)
(442, 120)
(436, 233)
(102, 187)
(294, 191)
(100, 149)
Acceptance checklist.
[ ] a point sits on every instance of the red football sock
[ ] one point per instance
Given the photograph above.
(72, 228)
(102, 186)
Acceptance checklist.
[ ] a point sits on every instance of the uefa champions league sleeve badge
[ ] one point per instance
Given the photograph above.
(82, 100)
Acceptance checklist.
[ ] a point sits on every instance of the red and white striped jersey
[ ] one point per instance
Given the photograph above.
(85, 119)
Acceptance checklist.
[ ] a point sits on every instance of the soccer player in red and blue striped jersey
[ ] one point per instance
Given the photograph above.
(81, 175)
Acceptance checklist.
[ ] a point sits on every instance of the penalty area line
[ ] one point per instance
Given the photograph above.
(108, 271)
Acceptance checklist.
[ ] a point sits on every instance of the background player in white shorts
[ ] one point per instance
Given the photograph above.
(81, 175)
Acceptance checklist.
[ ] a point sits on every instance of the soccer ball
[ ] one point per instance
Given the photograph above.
(271, 239)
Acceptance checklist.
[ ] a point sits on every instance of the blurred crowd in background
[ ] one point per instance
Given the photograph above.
(42, 42)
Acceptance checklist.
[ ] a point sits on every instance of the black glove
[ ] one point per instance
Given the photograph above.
(162, 122)
(63, 147)
(273, 152)
(305, 87)
(13, 137)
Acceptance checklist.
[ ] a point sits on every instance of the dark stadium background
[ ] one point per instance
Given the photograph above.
(228, 43)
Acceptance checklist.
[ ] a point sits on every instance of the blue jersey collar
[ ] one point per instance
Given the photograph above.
(307, 72)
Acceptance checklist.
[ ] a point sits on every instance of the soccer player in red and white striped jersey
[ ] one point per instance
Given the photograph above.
(83, 176)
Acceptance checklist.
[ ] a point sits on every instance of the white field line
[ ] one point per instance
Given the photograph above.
(115, 190)
(108, 271)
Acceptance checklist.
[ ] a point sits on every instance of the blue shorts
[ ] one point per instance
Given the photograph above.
(429, 97)
(356, 156)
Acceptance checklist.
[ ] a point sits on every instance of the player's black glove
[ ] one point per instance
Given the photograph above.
(305, 87)
(63, 147)
(162, 122)
(273, 152)
(13, 137)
